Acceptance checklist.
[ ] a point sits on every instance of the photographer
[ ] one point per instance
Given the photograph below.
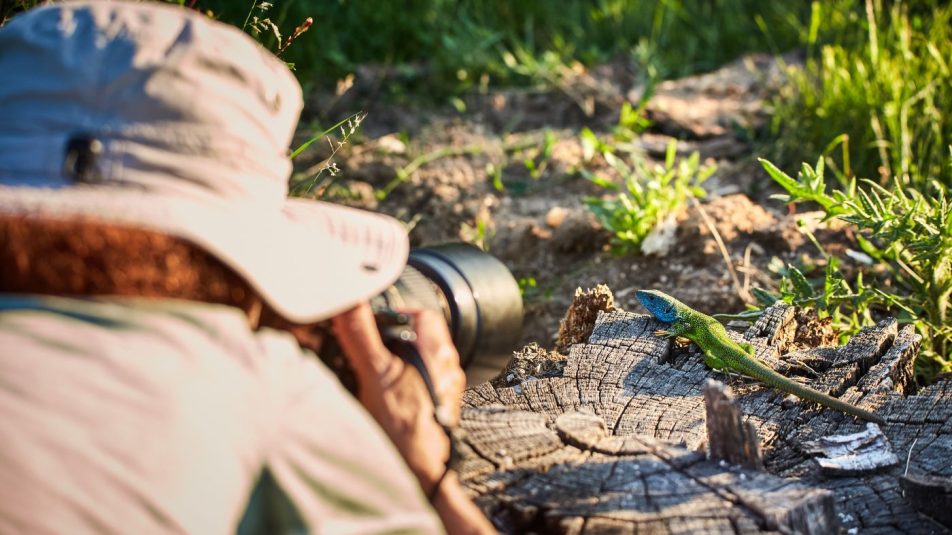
(160, 298)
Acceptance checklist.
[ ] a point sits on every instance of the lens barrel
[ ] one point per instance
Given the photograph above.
(476, 294)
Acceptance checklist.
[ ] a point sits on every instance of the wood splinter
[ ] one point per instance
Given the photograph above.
(865, 452)
(729, 437)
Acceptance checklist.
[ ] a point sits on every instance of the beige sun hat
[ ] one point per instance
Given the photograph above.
(153, 116)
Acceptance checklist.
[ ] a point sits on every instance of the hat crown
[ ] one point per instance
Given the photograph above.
(152, 116)
(179, 102)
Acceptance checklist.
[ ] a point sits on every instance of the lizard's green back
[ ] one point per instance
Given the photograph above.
(747, 364)
(722, 352)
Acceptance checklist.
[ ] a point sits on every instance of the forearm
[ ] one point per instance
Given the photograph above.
(459, 514)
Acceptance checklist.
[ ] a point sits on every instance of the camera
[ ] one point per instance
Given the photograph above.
(476, 295)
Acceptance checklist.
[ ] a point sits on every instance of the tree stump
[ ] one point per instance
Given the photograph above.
(613, 438)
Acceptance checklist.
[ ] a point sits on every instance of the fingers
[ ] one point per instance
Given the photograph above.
(441, 358)
(356, 332)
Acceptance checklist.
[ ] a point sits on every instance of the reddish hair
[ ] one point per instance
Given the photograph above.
(89, 257)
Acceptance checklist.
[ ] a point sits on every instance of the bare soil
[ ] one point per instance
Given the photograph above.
(536, 223)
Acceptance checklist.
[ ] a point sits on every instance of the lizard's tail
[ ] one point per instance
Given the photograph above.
(763, 373)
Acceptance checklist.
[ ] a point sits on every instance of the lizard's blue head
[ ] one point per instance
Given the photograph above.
(661, 305)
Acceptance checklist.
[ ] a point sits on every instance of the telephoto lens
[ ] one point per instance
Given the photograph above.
(477, 296)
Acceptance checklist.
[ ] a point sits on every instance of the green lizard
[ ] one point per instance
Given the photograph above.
(723, 353)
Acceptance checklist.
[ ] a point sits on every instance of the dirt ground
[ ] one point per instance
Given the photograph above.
(536, 222)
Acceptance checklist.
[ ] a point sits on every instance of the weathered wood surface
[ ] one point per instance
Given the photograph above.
(608, 440)
(930, 495)
(729, 436)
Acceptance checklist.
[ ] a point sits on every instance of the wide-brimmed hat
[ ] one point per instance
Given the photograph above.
(156, 117)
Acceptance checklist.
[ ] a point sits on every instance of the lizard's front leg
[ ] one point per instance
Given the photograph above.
(676, 329)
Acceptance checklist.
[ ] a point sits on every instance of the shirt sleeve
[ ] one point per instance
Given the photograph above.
(329, 457)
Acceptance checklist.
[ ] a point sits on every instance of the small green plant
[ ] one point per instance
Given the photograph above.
(316, 180)
(822, 288)
(909, 237)
(649, 195)
(537, 164)
(494, 172)
(525, 283)
(477, 234)
(549, 69)
(632, 121)
(530, 289)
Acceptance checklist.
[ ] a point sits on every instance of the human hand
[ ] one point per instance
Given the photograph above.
(394, 393)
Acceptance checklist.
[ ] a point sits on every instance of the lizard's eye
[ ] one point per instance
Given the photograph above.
(669, 313)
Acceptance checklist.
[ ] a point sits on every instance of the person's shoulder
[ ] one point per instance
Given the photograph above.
(186, 325)
(125, 312)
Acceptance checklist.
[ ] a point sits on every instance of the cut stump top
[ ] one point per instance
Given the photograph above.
(612, 439)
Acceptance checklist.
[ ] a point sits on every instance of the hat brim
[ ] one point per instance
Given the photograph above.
(309, 261)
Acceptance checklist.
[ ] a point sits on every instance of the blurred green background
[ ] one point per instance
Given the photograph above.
(461, 40)
(877, 71)
(866, 94)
